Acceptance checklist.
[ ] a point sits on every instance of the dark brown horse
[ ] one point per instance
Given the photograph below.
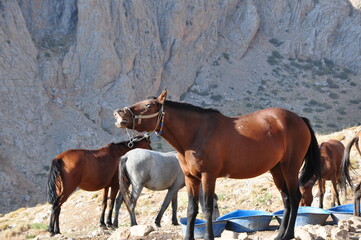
(331, 158)
(90, 170)
(211, 145)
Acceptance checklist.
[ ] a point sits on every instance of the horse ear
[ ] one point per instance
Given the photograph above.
(162, 97)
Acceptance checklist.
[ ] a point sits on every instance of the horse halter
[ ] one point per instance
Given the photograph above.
(135, 140)
(160, 121)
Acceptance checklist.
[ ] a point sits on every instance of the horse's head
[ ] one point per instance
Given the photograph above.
(142, 116)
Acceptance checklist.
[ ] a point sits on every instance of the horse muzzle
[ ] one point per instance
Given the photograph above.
(121, 120)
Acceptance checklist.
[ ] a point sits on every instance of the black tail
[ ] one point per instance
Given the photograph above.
(312, 166)
(54, 181)
(124, 183)
(346, 164)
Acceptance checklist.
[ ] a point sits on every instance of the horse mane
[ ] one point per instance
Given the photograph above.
(190, 107)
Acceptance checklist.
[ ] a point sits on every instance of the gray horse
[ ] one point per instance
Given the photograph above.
(156, 171)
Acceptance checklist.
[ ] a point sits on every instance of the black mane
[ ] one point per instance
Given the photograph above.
(190, 107)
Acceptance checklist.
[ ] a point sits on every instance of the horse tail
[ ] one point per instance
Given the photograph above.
(346, 164)
(312, 164)
(124, 183)
(55, 183)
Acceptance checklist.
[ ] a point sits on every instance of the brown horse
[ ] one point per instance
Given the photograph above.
(331, 158)
(306, 192)
(90, 170)
(211, 145)
(346, 164)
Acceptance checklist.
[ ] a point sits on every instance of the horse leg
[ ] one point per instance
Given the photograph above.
(56, 212)
(56, 229)
(174, 209)
(136, 191)
(118, 204)
(282, 187)
(104, 206)
(357, 193)
(172, 191)
(321, 189)
(291, 194)
(335, 195)
(192, 185)
(113, 194)
(54, 219)
(215, 214)
(69, 185)
(208, 186)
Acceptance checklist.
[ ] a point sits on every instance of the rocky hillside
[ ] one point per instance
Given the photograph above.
(66, 64)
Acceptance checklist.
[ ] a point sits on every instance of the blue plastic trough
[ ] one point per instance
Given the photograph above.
(200, 227)
(342, 212)
(307, 215)
(247, 220)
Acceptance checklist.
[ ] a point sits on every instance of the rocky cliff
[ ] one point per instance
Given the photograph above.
(66, 64)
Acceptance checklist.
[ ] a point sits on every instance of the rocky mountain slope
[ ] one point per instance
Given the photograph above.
(66, 64)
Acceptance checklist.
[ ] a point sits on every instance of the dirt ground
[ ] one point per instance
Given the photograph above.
(79, 218)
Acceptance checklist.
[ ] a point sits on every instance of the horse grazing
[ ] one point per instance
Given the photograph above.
(156, 171)
(306, 192)
(211, 145)
(90, 170)
(331, 157)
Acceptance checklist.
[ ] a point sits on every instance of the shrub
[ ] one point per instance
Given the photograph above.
(272, 60)
(333, 95)
(331, 84)
(216, 97)
(275, 42)
(308, 110)
(226, 56)
(40, 226)
(276, 54)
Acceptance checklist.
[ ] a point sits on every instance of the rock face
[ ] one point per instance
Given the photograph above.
(66, 64)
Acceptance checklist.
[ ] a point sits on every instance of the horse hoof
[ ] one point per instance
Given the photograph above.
(52, 234)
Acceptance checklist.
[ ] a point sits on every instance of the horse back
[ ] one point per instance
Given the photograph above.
(90, 170)
(254, 143)
(331, 153)
(154, 170)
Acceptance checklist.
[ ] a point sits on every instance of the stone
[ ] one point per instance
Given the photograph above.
(141, 230)
(302, 234)
(227, 234)
(339, 234)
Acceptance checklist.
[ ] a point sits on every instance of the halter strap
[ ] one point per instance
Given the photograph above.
(140, 117)
(160, 121)
(133, 140)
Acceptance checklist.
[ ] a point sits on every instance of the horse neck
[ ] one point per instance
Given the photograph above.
(119, 149)
(180, 126)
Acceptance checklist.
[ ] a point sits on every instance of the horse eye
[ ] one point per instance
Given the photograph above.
(148, 105)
